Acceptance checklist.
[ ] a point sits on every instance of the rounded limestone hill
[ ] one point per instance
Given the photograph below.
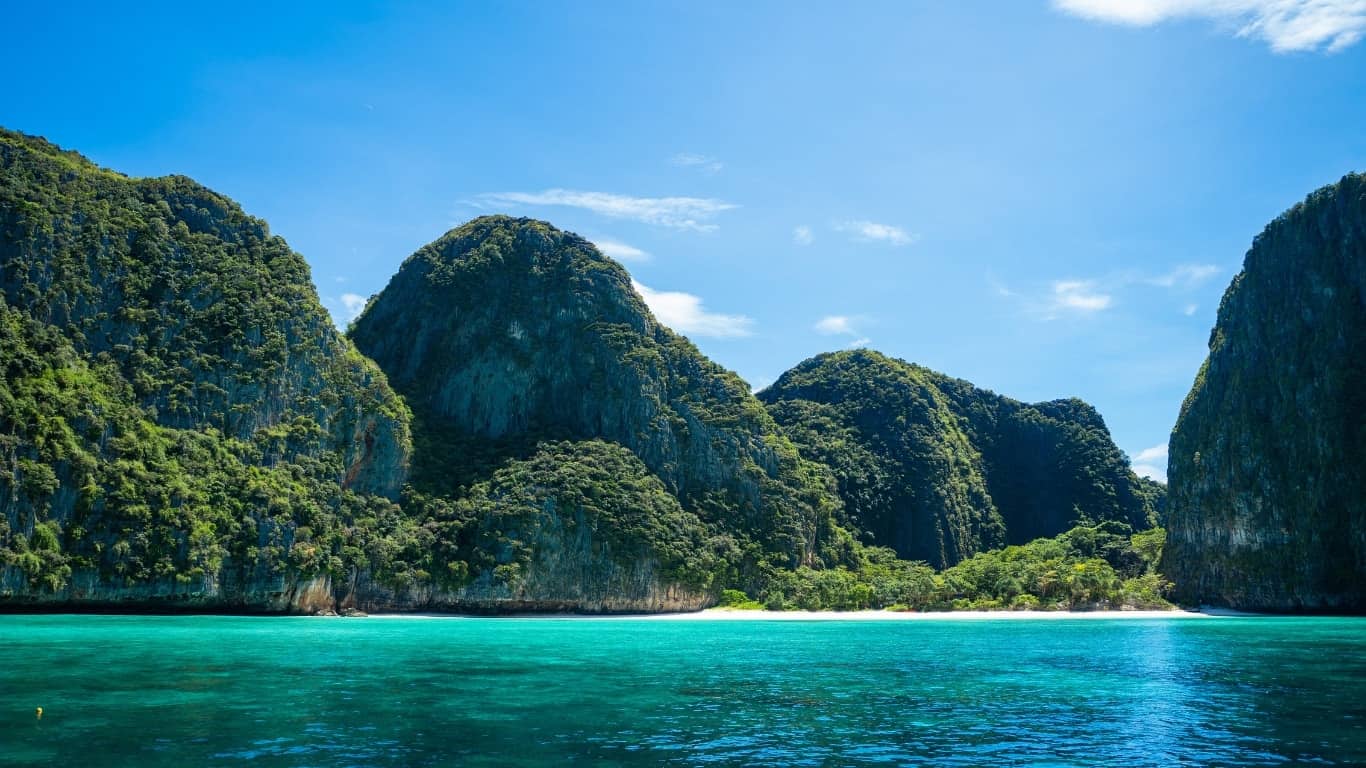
(939, 470)
(180, 422)
(1268, 457)
(507, 334)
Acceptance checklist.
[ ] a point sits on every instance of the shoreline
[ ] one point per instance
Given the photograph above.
(731, 614)
(708, 614)
(758, 614)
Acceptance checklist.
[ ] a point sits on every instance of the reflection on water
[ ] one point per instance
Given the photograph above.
(335, 692)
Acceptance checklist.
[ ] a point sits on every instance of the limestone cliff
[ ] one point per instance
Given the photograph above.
(508, 333)
(1268, 458)
(178, 416)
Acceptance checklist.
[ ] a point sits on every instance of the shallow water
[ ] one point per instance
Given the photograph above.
(173, 691)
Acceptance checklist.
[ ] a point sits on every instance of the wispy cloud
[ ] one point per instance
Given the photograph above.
(844, 325)
(345, 308)
(999, 287)
(802, 235)
(1286, 25)
(833, 325)
(621, 251)
(708, 165)
(1185, 276)
(1079, 296)
(873, 231)
(1152, 463)
(685, 313)
(354, 303)
(694, 213)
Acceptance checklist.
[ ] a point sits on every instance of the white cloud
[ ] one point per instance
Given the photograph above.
(873, 231)
(1152, 463)
(1185, 276)
(1286, 25)
(684, 313)
(802, 235)
(1151, 472)
(1086, 296)
(843, 325)
(1154, 454)
(345, 308)
(832, 325)
(1078, 296)
(353, 303)
(701, 162)
(621, 251)
(692, 213)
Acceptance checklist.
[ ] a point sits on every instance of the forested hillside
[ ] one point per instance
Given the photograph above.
(939, 470)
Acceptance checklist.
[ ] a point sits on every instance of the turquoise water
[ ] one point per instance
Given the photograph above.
(175, 691)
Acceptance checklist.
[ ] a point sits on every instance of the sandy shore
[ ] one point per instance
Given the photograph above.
(730, 614)
(726, 614)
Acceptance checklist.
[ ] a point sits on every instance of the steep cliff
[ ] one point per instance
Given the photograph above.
(939, 470)
(179, 420)
(506, 334)
(1268, 458)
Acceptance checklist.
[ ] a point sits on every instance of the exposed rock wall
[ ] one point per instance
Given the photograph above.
(1267, 461)
(179, 418)
(506, 332)
(89, 590)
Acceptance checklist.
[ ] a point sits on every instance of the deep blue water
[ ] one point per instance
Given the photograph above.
(184, 691)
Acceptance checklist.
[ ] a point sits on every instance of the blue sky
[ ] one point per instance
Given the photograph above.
(1045, 198)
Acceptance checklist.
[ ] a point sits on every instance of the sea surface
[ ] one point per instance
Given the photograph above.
(189, 691)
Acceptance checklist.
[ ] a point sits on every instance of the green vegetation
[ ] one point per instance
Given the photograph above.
(179, 419)
(939, 470)
(175, 405)
(1089, 567)
(590, 492)
(507, 336)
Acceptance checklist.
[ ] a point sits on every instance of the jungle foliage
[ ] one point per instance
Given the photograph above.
(177, 409)
(939, 470)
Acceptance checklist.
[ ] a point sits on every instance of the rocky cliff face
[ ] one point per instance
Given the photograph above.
(939, 470)
(178, 416)
(1268, 458)
(507, 333)
(182, 427)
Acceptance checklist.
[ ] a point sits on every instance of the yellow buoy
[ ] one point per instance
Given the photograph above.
(40, 713)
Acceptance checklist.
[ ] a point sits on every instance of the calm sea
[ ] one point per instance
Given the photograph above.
(187, 691)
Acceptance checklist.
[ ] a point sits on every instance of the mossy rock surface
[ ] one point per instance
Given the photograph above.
(179, 419)
(1268, 457)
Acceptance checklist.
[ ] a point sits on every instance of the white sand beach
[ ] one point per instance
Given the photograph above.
(732, 614)
(729, 614)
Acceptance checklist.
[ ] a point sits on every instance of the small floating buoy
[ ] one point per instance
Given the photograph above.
(40, 713)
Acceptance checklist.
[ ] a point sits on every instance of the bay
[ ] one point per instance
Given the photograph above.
(275, 691)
